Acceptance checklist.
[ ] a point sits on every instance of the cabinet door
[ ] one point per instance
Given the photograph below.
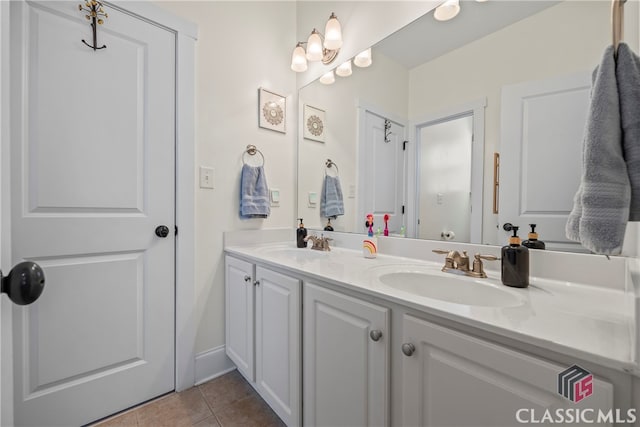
(453, 379)
(239, 308)
(346, 371)
(278, 343)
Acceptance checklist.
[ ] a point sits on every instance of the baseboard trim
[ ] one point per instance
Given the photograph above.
(211, 364)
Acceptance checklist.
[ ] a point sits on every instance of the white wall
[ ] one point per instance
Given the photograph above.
(576, 33)
(340, 101)
(241, 46)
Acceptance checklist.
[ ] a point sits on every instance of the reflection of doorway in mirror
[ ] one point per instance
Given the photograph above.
(382, 166)
(444, 180)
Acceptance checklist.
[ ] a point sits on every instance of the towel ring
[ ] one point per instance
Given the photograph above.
(252, 150)
(329, 163)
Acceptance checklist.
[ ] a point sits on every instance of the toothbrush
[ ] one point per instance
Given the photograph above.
(386, 228)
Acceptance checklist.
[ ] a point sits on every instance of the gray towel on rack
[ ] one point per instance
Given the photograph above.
(254, 193)
(601, 205)
(331, 203)
(628, 76)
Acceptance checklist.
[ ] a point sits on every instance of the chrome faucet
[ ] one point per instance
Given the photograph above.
(319, 243)
(460, 261)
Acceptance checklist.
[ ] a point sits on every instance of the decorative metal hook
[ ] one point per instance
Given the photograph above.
(387, 130)
(95, 14)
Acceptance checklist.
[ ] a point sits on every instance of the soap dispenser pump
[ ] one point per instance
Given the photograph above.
(301, 234)
(532, 242)
(515, 262)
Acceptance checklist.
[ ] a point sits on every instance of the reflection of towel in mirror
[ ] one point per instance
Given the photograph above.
(628, 76)
(601, 205)
(331, 203)
(254, 193)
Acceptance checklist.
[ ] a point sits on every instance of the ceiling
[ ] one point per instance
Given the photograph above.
(425, 38)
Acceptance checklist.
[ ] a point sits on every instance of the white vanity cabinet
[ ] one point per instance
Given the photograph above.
(263, 336)
(453, 379)
(346, 360)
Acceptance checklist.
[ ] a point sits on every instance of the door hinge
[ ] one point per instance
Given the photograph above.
(176, 230)
(402, 209)
(404, 145)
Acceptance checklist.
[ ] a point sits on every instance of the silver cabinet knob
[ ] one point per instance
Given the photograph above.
(247, 278)
(256, 283)
(375, 335)
(408, 349)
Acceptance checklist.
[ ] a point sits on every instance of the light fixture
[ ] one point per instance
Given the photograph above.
(328, 78)
(299, 59)
(363, 59)
(319, 48)
(333, 33)
(447, 10)
(344, 69)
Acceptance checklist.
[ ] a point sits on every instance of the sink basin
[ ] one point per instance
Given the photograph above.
(451, 288)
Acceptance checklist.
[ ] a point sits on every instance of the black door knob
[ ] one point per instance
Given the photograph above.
(24, 284)
(162, 231)
(507, 226)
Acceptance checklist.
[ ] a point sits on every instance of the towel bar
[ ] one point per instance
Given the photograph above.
(252, 150)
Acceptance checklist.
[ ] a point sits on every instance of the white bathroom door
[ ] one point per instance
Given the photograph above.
(542, 131)
(383, 172)
(93, 172)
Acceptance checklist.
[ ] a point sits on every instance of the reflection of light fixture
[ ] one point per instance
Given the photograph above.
(319, 48)
(447, 10)
(328, 78)
(363, 59)
(344, 69)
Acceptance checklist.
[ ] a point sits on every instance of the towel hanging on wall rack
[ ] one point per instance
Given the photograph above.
(254, 191)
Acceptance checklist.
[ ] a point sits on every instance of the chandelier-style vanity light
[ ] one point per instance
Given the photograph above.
(319, 48)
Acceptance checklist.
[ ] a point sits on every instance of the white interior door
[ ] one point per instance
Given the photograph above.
(383, 172)
(93, 141)
(541, 154)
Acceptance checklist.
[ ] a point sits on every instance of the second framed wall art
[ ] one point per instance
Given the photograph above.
(314, 125)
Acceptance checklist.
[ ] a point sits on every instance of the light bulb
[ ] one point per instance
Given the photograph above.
(333, 33)
(447, 10)
(344, 69)
(314, 46)
(298, 59)
(328, 78)
(363, 59)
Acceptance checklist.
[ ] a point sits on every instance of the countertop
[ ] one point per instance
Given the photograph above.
(593, 323)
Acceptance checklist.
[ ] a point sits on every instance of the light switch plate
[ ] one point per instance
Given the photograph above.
(313, 199)
(206, 177)
(275, 196)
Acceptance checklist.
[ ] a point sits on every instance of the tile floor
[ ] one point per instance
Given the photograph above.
(228, 400)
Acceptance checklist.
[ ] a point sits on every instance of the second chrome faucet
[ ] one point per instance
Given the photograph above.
(460, 262)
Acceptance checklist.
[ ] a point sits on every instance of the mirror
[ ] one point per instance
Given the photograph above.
(427, 74)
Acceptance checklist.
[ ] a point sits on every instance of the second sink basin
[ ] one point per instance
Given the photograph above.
(450, 288)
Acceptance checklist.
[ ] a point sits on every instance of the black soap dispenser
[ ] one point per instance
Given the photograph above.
(515, 262)
(301, 234)
(532, 242)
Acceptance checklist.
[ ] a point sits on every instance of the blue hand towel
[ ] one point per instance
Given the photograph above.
(628, 76)
(254, 193)
(331, 203)
(601, 205)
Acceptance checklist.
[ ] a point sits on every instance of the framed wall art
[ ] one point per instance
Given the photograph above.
(314, 125)
(272, 111)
